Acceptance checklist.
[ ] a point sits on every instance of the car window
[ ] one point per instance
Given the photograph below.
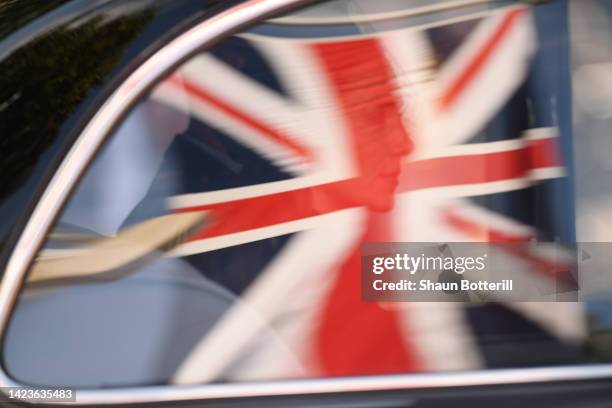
(217, 235)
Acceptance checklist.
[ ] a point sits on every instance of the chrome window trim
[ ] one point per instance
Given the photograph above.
(82, 153)
(383, 16)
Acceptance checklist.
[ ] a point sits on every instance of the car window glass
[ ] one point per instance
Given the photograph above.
(216, 236)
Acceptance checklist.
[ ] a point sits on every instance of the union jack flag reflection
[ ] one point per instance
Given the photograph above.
(308, 136)
(378, 132)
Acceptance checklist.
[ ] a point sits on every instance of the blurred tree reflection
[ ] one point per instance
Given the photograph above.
(43, 83)
(16, 13)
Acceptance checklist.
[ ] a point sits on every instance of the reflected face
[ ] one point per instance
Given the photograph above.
(367, 93)
(382, 163)
(380, 146)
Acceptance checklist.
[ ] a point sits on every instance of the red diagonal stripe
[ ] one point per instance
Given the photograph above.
(551, 268)
(226, 107)
(480, 59)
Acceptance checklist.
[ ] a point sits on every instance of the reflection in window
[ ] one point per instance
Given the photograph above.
(216, 236)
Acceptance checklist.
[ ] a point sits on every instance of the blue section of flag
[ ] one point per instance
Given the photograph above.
(550, 79)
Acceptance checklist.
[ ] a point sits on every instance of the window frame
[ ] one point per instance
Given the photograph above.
(82, 153)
